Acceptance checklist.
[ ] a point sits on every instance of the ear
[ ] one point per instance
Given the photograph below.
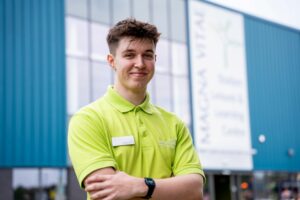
(111, 60)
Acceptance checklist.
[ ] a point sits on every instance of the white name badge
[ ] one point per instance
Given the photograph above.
(124, 140)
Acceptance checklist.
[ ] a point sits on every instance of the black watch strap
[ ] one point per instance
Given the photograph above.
(151, 186)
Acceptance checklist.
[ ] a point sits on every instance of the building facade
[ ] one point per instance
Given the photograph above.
(211, 59)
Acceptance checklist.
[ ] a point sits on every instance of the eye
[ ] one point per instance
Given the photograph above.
(129, 55)
(149, 56)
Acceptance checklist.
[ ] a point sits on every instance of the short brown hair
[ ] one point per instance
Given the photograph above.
(131, 28)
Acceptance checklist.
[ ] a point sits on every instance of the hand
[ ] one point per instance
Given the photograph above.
(118, 186)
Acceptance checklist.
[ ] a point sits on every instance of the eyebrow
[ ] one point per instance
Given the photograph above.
(131, 50)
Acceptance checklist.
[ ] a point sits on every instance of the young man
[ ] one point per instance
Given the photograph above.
(122, 146)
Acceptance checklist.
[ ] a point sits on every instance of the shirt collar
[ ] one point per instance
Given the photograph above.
(123, 105)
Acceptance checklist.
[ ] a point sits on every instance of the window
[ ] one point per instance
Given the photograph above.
(77, 8)
(276, 185)
(163, 55)
(98, 42)
(160, 16)
(100, 11)
(179, 59)
(141, 10)
(181, 98)
(121, 10)
(150, 90)
(178, 28)
(77, 37)
(34, 183)
(163, 91)
(78, 84)
(102, 77)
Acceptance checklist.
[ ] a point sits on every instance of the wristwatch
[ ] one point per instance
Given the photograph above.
(151, 186)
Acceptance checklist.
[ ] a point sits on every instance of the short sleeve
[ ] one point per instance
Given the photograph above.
(186, 159)
(89, 145)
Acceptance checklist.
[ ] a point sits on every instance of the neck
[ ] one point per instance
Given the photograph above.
(135, 97)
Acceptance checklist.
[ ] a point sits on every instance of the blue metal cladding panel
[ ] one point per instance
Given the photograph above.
(2, 72)
(273, 62)
(33, 91)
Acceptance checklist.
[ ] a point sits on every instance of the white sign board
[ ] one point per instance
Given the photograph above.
(278, 11)
(219, 88)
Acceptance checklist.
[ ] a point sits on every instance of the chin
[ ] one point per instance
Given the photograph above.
(139, 86)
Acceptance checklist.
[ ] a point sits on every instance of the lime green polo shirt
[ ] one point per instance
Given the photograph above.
(143, 140)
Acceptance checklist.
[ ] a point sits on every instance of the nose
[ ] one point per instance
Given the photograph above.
(139, 62)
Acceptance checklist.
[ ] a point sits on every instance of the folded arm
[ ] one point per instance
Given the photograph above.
(110, 184)
(188, 187)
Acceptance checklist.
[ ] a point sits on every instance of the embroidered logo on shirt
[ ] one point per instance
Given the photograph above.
(168, 143)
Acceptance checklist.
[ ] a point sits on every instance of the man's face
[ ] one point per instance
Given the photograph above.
(134, 63)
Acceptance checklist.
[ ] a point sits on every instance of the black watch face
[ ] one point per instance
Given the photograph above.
(151, 181)
(151, 185)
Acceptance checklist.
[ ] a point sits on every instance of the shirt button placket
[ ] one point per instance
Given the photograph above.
(141, 126)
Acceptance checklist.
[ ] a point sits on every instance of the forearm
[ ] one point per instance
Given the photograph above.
(107, 182)
(188, 187)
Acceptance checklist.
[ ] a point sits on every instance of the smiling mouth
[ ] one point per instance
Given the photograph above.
(138, 74)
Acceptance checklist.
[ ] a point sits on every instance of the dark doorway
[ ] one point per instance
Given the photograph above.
(222, 187)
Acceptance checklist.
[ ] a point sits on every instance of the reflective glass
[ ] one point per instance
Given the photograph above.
(102, 77)
(160, 16)
(121, 10)
(98, 42)
(150, 90)
(181, 98)
(276, 185)
(27, 178)
(178, 17)
(100, 11)
(245, 183)
(179, 59)
(162, 56)
(163, 91)
(77, 8)
(141, 10)
(77, 37)
(78, 84)
(37, 183)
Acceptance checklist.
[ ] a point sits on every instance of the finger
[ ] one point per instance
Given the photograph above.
(95, 186)
(102, 194)
(97, 178)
